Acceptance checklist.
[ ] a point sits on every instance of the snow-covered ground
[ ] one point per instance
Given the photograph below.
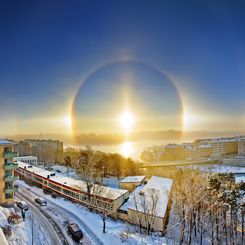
(22, 232)
(219, 168)
(114, 228)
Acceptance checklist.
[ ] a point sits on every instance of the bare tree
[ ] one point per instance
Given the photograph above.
(101, 203)
(146, 206)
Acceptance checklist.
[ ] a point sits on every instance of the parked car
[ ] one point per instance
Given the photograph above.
(41, 201)
(75, 232)
(22, 205)
(54, 194)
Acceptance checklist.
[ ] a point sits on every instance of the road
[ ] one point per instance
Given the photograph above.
(54, 236)
(58, 211)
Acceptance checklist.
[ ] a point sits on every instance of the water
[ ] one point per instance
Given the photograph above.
(133, 149)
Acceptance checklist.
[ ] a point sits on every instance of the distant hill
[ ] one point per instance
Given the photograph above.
(93, 139)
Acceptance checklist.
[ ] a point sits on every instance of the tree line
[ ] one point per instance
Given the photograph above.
(207, 209)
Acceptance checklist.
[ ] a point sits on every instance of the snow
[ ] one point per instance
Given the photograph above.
(161, 186)
(219, 168)
(5, 142)
(23, 230)
(107, 192)
(114, 228)
(133, 179)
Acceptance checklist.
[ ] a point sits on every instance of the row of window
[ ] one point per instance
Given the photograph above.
(29, 161)
(75, 195)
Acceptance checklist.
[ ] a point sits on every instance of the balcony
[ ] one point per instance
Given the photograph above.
(9, 178)
(10, 166)
(9, 190)
(9, 154)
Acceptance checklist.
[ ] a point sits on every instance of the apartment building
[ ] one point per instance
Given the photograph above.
(220, 146)
(47, 150)
(23, 148)
(241, 147)
(7, 177)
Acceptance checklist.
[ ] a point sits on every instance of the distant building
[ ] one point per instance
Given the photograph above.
(27, 159)
(7, 178)
(220, 146)
(205, 151)
(131, 182)
(23, 148)
(241, 147)
(47, 150)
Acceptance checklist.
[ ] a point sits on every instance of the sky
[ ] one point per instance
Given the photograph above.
(51, 50)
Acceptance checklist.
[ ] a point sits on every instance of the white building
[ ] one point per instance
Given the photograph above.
(26, 159)
(73, 189)
(149, 203)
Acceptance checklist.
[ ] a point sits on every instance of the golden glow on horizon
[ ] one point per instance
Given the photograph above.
(127, 121)
(126, 149)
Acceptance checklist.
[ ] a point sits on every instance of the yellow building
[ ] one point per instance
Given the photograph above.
(7, 178)
(131, 182)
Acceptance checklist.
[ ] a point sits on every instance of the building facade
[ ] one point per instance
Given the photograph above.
(73, 189)
(47, 150)
(131, 182)
(23, 148)
(241, 147)
(27, 159)
(7, 177)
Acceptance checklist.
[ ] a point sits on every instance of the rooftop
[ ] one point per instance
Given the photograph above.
(132, 179)
(24, 157)
(160, 187)
(5, 142)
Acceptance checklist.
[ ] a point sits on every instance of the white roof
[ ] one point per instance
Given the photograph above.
(160, 187)
(25, 157)
(5, 142)
(132, 179)
(104, 191)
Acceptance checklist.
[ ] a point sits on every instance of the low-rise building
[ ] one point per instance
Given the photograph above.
(131, 182)
(73, 189)
(26, 159)
(148, 204)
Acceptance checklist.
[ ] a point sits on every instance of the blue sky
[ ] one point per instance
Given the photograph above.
(48, 47)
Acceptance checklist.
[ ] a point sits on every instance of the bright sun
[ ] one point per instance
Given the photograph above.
(127, 120)
(67, 121)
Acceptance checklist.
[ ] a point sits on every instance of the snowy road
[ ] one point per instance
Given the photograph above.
(62, 214)
(43, 221)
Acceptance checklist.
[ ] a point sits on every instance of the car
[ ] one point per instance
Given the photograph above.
(54, 194)
(22, 205)
(75, 231)
(40, 201)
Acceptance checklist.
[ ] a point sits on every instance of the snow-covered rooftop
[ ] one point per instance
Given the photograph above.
(156, 186)
(5, 142)
(103, 191)
(24, 157)
(133, 179)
